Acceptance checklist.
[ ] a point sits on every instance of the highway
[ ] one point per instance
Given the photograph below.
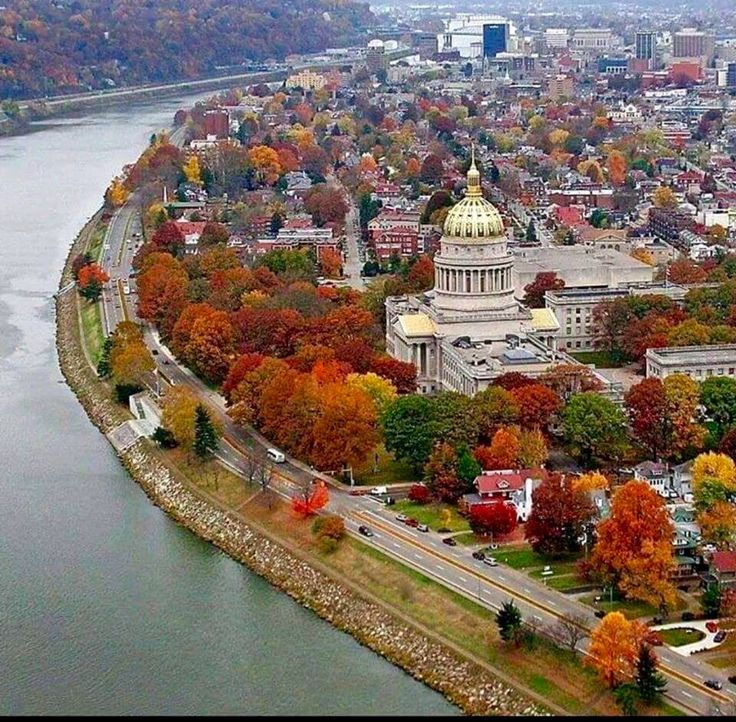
(425, 552)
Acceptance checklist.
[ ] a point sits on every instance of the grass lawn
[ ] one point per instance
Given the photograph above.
(679, 637)
(601, 359)
(467, 539)
(389, 471)
(525, 558)
(630, 608)
(435, 516)
(95, 244)
(92, 328)
(720, 662)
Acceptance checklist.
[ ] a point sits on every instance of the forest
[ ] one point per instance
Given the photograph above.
(50, 47)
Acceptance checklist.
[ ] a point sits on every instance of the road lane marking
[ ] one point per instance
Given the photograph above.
(687, 694)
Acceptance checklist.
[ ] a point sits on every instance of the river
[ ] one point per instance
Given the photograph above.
(106, 605)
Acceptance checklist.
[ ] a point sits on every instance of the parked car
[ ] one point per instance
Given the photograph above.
(364, 530)
(450, 541)
(411, 522)
(600, 613)
(378, 491)
(155, 352)
(712, 627)
(422, 527)
(732, 679)
(713, 683)
(479, 555)
(720, 636)
(401, 517)
(655, 639)
(490, 561)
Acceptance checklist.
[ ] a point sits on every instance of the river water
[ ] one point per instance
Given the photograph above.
(106, 605)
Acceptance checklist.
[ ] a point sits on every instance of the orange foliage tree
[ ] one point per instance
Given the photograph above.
(634, 547)
(330, 263)
(537, 404)
(614, 648)
(310, 498)
(503, 453)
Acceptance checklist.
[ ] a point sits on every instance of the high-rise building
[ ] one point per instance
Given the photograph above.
(556, 37)
(216, 123)
(731, 75)
(692, 43)
(495, 39)
(426, 44)
(646, 47)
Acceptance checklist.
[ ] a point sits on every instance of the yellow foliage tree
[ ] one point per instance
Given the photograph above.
(614, 648)
(192, 170)
(117, 193)
(266, 163)
(664, 197)
(558, 136)
(179, 411)
(714, 466)
(590, 481)
(718, 524)
(380, 390)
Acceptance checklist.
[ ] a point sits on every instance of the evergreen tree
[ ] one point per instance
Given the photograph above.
(627, 695)
(531, 233)
(205, 434)
(467, 466)
(103, 365)
(650, 683)
(508, 619)
(277, 223)
(710, 601)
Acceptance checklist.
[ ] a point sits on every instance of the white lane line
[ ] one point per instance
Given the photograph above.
(502, 578)
(418, 556)
(551, 603)
(398, 546)
(439, 566)
(687, 694)
(462, 579)
(526, 590)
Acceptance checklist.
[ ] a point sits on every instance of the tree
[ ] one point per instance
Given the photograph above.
(649, 417)
(544, 281)
(614, 646)
(407, 429)
(508, 619)
(718, 524)
(533, 450)
(686, 271)
(531, 233)
(512, 380)
(419, 494)
(627, 696)
(468, 468)
(616, 164)
(421, 274)
(90, 280)
(192, 170)
(710, 602)
(205, 434)
(496, 519)
(401, 374)
(503, 452)
(432, 169)
(594, 428)
(330, 263)
(311, 496)
(179, 413)
(266, 163)
(537, 405)
(590, 481)
(441, 470)
(566, 380)
(718, 396)
(714, 479)
(559, 516)
(634, 547)
(493, 407)
(570, 630)
(664, 197)
(650, 683)
(214, 234)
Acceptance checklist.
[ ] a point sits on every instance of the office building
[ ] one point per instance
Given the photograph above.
(556, 38)
(731, 75)
(692, 43)
(495, 39)
(697, 362)
(646, 48)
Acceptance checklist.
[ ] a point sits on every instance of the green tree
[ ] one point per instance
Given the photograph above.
(718, 396)
(627, 695)
(650, 683)
(407, 429)
(508, 619)
(594, 428)
(467, 466)
(104, 369)
(710, 602)
(453, 419)
(205, 435)
(531, 233)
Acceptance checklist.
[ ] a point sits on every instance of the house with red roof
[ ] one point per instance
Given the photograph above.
(723, 568)
(513, 486)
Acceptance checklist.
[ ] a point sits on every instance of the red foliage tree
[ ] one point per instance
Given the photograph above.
(537, 404)
(168, 238)
(268, 332)
(497, 519)
(419, 494)
(421, 274)
(543, 282)
(512, 380)
(246, 363)
(311, 500)
(401, 374)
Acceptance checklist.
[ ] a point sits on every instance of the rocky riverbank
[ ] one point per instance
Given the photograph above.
(473, 688)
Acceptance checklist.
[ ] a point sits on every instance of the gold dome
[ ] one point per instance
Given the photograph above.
(473, 216)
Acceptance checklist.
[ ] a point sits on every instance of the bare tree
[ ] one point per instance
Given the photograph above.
(569, 630)
(265, 477)
(253, 468)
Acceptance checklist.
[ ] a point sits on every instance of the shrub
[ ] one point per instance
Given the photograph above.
(419, 494)
(688, 616)
(327, 545)
(164, 438)
(332, 527)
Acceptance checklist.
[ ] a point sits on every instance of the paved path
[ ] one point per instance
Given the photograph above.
(708, 642)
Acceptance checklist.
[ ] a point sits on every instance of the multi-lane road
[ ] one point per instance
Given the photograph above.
(453, 567)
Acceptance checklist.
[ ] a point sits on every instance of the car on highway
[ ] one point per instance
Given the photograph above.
(490, 561)
(600, 613)
(450, 541)
(720, 637)
(713, 683)
(712, 627)
(276, 456)
(422, 527)
(378, 491)
(155, 352)
(364, 530)
(401, 517)
(166, 361)
(411, 522)
(479, 555)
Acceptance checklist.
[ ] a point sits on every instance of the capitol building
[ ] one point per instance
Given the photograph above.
(471, 328)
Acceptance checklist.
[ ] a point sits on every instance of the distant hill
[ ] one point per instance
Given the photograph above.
(48, 47)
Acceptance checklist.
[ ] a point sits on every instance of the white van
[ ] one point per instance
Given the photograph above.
(276, 456)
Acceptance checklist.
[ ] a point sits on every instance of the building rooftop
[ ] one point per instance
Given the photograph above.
(416, 324)
(710, 355)
(538, 260)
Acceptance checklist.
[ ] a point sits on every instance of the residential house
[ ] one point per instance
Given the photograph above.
(723, 568)
(512, 486)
